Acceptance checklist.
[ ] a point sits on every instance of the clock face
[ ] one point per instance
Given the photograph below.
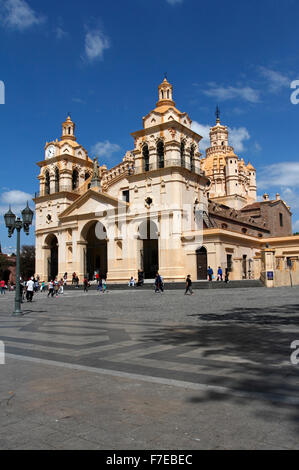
(50, 151)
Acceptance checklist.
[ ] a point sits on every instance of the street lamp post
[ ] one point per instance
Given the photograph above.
(12, 223)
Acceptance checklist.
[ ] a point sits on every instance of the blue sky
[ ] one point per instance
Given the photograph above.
(102, 61)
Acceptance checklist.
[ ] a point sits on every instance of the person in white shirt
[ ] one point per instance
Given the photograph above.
(30, 289)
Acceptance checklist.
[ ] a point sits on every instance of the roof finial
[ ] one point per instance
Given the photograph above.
(165, 76)
(217, 114)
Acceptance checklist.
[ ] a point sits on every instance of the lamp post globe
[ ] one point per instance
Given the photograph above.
(10, 219)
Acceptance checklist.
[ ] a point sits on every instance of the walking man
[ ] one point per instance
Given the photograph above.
(219, 274)
(189, 285)
(51, 289)
(210, 273)
(30, 289)
(85, 285)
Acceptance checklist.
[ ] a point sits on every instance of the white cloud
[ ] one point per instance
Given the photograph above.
(105, 149)
(174, 2)
(17, 14)
(17, 199)
(204, 131)
(275, 79)
(95, 44)
(284, 174)
(237, 136)
(222, 93)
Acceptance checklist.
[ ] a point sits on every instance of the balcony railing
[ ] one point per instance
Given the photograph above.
(56, 190)
(167, 164)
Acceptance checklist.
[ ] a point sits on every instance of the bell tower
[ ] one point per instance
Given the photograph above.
(165, 94)
(68, 129)
(218, 133)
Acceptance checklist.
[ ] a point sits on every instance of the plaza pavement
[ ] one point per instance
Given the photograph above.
(138, 370)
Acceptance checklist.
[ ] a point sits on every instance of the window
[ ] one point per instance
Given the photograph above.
(160, 152)
(145, 153)
(75, 180)
(182, 154)
(126, 195)
(56, 180)
(192, 158)
(47, 183)
(281, 219)
(229, 262)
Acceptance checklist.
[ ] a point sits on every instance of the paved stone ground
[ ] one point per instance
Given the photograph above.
(138, 370)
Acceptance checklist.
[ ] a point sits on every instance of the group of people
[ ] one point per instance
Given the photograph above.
(211, 276)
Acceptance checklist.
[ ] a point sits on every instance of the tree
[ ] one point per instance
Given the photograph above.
(27, 261)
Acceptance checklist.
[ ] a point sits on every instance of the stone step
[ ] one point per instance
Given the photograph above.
(181, 285)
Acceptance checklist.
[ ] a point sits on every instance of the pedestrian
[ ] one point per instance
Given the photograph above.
(56, 287)
(51, 288)
(104, 284)
(140, 278)
(189, 285)
(219, 274)
(77, 282)
(86, 284)
(226, 275)
(2, 286)
(100, 284)
(210, 273)
(30, 290)
(132, 282)
(74, 278)
(158, 283)
(65, 279)
(43, 286)
(60, 285)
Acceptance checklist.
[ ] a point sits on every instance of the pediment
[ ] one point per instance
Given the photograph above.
(92, 202)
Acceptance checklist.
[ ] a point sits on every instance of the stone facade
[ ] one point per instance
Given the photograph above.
(164, 206)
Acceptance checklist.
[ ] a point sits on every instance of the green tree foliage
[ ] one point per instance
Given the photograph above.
(27, 261)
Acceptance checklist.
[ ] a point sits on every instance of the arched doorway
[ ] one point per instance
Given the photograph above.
(96, 250)
(202, 263)
(52, 243)
(148, 233)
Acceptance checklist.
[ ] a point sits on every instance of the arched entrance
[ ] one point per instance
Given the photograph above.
(202, 263)
(96, 250)
(148, 233)
(52, 243)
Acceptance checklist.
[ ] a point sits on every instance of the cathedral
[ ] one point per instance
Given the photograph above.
(165, 207)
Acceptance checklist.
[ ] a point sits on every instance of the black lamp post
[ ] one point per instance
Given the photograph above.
(13, 223)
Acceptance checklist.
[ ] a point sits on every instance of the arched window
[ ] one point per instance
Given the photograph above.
(75, 179)
(168, 94)
(86, 176)
(162, 94)
(56, 180)
(69, 130)
(145, 154)
(183, 154)
(47, 183)
(160, 152)
(192, 168)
